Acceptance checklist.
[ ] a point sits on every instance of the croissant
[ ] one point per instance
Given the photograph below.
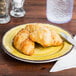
(25, 39)
(43, 35)
(23, 43)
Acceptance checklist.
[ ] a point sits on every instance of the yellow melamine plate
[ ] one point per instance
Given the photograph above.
(41, 55)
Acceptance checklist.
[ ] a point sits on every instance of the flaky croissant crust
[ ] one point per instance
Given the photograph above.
(25, 39)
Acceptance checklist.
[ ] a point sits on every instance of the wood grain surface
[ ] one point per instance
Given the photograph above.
(35, 12)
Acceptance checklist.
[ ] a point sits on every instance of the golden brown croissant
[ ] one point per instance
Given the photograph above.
(25, 39)
(23, 43)
(42, 35)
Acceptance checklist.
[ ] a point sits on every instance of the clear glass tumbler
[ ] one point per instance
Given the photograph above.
(17, 8)
(4, 11)
(59, 11)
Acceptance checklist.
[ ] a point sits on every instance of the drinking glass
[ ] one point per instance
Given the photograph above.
(4, 11)
(17, 8)
(59, 11)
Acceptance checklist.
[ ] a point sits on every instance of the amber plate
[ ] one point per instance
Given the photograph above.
(41, 55)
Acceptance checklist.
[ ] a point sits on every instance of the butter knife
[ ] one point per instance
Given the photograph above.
(68, 38)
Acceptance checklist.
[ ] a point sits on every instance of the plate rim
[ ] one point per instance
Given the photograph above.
(34, 61)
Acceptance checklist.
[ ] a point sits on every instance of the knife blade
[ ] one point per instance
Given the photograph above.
(68, 38)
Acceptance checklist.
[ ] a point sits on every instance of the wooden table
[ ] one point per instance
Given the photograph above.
(35, 12)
